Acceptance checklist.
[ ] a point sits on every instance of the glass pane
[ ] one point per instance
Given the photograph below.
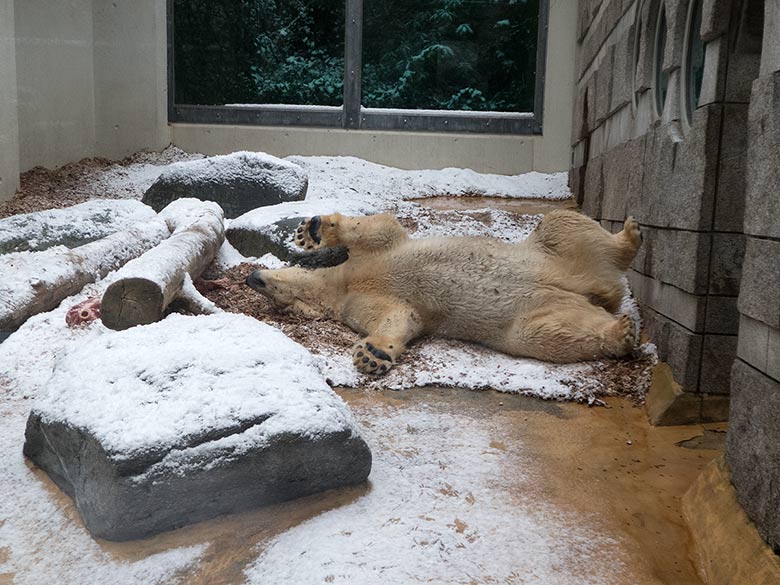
(259, 52)
(450, 54)
(695, 64)
(661, 78)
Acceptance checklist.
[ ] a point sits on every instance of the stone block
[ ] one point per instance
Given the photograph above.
(583, 20)
(753, 448)
(676, 17)
(579, 125)
(623, 71)
(692, 178)
(770, 52)
(677, 346)
(715, 17)
(713, 85)
(742, 71)
(589, 106)
(759, 295)
(718, 353)
(604, 85)
(237, 182)
(677, 257)
(753, 344)
(773, 354)
(679, 306)
(762, 201)
(714, 408)
(187, 419)
(728, 251)
(730, 198)
(594, 188)
(722, 315)
(644, 60)
(666, 403)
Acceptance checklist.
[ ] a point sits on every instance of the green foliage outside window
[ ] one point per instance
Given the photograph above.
(431, 54)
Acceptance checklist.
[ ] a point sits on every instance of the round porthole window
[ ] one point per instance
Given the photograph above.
(660, 79)
(693, 70)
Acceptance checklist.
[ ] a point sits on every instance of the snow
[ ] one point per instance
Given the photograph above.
(153, 387)
(453, 518)
(80, 223)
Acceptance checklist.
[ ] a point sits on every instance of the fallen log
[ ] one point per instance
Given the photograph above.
(143, 289)
(34, 282)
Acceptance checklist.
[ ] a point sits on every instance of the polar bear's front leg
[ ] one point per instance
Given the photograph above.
(365, 233)
(390, 325)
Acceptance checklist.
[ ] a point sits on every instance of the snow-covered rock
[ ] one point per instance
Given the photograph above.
(167, 424)
(70, 227)
(238, 182)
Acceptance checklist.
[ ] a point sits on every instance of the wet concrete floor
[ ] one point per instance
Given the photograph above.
(472, 487)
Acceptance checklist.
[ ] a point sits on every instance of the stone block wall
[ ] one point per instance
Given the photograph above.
(683, 179)
(753, 442)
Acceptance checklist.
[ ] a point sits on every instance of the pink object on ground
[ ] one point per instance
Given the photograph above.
(83, 313)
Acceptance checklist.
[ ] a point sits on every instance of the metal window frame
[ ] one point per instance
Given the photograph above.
(352, 115)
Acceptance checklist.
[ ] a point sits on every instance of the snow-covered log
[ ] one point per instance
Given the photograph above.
(34, 282)
(143, 288)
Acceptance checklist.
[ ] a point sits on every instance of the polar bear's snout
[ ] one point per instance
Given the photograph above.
(255, 281)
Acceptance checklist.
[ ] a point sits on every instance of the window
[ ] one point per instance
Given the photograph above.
(693, 70)
(660, 78)
(461, 65)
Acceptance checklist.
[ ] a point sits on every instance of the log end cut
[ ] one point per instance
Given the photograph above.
(130, 302)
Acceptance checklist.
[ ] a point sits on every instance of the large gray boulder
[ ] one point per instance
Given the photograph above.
(162, 425)
(238, 182)
(71, 226)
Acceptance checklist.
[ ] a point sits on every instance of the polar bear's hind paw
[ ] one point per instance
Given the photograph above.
(369, 359)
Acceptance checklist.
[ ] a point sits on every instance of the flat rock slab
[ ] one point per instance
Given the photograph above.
(162, 425)
(71, 226)
(238, 182)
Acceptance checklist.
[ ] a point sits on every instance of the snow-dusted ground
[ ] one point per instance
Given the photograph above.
(483, 532)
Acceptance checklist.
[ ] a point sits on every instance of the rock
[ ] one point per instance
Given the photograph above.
(70, 227)
(238, 182)
(163, 425)
(274, 238)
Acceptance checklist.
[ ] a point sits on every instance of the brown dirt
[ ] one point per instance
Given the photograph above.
(311, 333)
(77, 182)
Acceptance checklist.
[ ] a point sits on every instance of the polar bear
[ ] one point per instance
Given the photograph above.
(551, 297)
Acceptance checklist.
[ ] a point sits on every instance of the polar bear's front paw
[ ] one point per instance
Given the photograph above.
(308, 234)
(370, 359)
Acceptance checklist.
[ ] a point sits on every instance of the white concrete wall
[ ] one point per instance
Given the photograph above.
(9, 128)
(79, 78)
(131, 111)
(55, 81)
(410, 150)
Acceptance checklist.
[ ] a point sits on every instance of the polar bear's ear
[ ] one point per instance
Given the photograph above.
(321, 258)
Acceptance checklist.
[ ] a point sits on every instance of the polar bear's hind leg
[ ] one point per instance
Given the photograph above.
(569, 332)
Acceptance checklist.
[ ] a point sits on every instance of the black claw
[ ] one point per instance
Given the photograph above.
(373, 364)
(365, 360)
(360, 354)
(383, 368)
